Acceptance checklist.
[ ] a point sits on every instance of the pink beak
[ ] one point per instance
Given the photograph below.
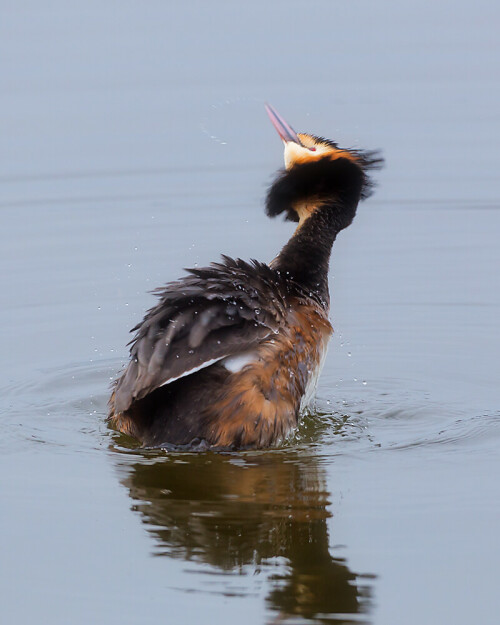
(285, 131)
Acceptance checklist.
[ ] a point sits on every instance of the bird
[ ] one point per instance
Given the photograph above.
(230, 355)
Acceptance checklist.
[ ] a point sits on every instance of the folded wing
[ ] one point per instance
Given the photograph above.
(218, 311)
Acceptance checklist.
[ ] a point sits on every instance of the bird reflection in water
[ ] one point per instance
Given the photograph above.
(255, 513)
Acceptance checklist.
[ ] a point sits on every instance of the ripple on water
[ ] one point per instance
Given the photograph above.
(392, 416)
(63, 408)
(66, 408)
(388, 416)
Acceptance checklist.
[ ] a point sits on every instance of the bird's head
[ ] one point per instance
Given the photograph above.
(318, 173)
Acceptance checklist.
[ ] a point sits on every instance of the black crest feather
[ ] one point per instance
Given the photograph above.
(325, 178)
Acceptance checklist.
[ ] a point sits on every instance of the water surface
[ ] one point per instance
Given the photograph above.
(135, 143)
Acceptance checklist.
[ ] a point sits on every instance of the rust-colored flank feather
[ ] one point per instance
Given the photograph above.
(230, 355)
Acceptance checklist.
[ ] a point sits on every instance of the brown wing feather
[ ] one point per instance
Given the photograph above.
(214, 312)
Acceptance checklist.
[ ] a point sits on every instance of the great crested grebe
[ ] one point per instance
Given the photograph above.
(230, 355)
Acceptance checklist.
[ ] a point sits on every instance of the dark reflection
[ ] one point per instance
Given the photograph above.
(262, 513)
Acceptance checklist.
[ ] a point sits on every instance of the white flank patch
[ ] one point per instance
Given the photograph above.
(236, 363)
(194, 370)
(312, 383)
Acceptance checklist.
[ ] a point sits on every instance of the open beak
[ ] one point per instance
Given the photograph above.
(285, 131)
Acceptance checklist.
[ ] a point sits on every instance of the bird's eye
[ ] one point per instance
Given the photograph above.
(313, 149)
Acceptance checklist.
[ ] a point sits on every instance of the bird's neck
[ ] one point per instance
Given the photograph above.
(305, 258)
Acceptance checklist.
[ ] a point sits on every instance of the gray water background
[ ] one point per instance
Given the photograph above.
(133, 142)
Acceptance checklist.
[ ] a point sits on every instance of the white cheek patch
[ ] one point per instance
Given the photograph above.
(293, 152)
(236, 363)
